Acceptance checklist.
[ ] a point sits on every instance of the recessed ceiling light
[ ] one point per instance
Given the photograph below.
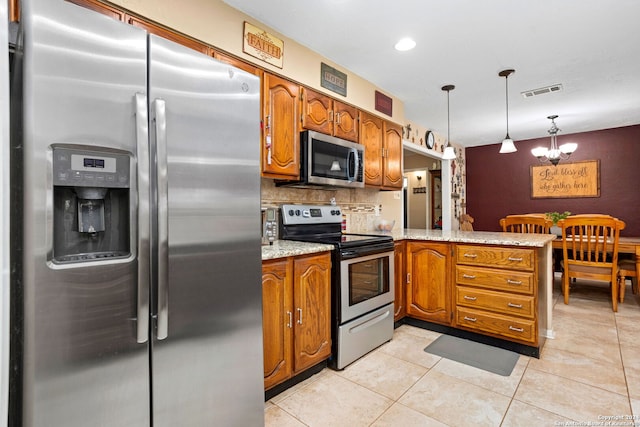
(405, 44)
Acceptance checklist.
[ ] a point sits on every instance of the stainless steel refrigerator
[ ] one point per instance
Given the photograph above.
(135, 233)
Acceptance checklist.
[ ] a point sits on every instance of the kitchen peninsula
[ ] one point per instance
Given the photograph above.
(486, 285)
(489, 286)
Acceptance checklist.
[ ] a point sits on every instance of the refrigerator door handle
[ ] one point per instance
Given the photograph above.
(142, 142)
(163, 220)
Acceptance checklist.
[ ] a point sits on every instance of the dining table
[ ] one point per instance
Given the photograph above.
(626, 245)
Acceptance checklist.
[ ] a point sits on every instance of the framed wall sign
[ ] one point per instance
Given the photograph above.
(578, 179)
(262, 45)
(384, 104)
(332, 79)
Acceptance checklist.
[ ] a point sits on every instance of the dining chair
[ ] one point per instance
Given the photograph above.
(590, 250)
(628, 268)
(526, 223)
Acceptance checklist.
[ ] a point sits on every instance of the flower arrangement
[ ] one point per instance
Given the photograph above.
(557, 216)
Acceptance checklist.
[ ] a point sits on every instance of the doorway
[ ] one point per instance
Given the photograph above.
(422, 191)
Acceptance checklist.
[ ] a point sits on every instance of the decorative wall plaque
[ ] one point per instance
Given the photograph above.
(332, 79)
(262, 45)
(384, 104)
(578, 179)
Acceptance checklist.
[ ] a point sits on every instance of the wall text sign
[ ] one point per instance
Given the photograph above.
(332, 79)
(579, 179)
(262, 45)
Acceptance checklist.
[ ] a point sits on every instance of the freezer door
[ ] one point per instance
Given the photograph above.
(207, 350)
(82, 363)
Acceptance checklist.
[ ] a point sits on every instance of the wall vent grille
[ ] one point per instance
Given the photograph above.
(541, 91)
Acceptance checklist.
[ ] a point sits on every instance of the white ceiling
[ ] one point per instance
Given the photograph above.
(590, 47)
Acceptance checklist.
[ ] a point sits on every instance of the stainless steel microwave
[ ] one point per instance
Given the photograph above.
(327, 160)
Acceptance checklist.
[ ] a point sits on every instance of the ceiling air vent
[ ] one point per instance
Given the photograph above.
(542, 90)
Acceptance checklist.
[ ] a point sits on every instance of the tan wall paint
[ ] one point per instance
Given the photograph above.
(217, 24)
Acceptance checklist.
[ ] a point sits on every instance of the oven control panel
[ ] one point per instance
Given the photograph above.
(311, 214)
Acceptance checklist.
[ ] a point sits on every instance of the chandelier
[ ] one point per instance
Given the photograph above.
(554, 154)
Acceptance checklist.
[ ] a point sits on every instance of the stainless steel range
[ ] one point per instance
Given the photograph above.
(362, 279)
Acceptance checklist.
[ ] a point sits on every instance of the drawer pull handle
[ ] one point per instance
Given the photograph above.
(511, 328)
(471, 255)
(514, 259)
(467, 297)
(468, 276)
(514, 305)
(514, 282)
(470, 319)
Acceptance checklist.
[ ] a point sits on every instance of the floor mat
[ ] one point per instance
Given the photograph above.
(482, 356)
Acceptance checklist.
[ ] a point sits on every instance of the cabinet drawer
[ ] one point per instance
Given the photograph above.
(515, 258)
(506, 326)
(494, 279)
(520, 305)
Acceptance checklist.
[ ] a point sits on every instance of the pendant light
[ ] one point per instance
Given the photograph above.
(507, 143)
(554, 154)
(449, 152)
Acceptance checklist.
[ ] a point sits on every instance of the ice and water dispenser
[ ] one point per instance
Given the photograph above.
(90, 204)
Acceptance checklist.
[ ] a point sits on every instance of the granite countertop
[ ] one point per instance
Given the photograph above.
(481, 237)
(285, 248)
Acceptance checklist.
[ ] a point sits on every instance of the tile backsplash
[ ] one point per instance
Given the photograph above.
(358, 205)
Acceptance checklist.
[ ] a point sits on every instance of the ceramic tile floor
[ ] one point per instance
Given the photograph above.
(591, 370)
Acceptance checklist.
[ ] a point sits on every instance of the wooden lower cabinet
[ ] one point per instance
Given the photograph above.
(400, 308)
(496, 292)
(428, 281)
(296, 313)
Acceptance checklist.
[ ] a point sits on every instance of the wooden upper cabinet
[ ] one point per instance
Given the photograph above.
(428, 281)
(249, 68)
(99, 7)
(317, 111)
(372, 136)
(392, 156)
(329, 116)
(168, 34)
(346, 121)
(281, 135)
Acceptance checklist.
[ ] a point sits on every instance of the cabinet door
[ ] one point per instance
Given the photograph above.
(99, 7)
(168, 34)
(399, 282)
(280, 148)
(277, 321)
(249, 68)
(317, 111)
(392, 156)
(428, 288)
(312, 302)
(345, 121)
(371, 136)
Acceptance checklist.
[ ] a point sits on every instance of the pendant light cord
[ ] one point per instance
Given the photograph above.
(506, 98)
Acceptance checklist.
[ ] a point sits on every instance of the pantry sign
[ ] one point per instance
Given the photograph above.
(578, 179)
(262, 45)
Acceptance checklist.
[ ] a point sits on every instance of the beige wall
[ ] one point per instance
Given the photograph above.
(217, 24)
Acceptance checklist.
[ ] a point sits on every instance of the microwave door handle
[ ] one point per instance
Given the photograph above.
(351, 172)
